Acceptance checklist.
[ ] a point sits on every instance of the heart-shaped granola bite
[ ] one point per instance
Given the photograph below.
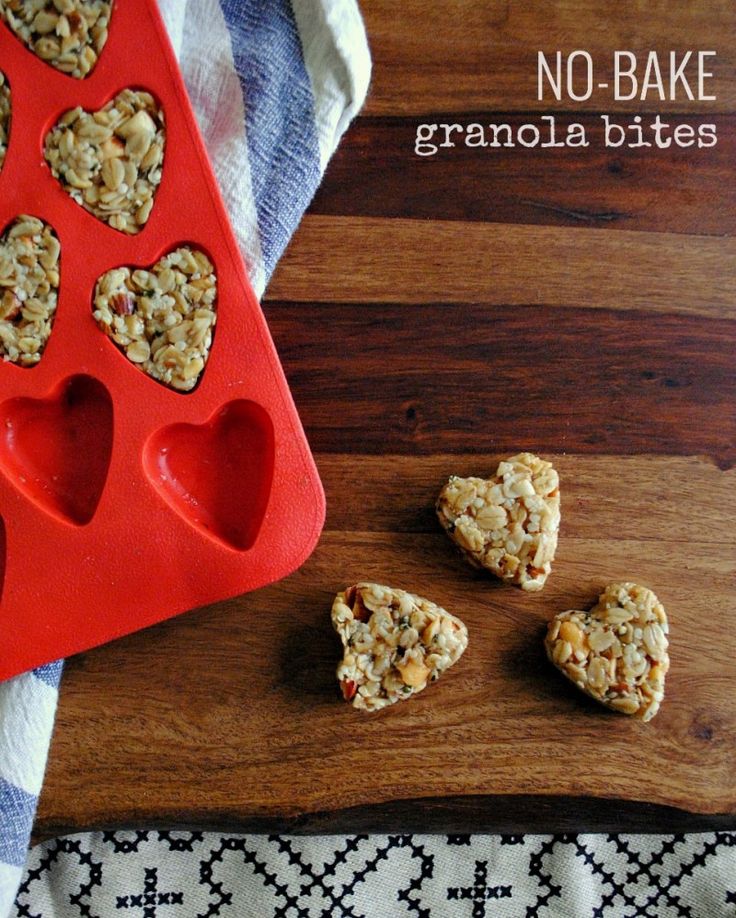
(111, 161)
(507, 524)
(4, 117)
(616, 652)
(68, 34)
(29, 283)
(395, 644)
(162, 319)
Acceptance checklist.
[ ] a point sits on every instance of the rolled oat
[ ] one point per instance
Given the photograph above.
(111, 161)
(162, 318)
(68, 34)
(507, 524)
(616, 652)
(29, 283)
(394, 644)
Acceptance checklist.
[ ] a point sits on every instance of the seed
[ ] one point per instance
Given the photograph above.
(573, 635)
(144, 212)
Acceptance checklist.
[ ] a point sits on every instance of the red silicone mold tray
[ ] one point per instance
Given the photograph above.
(122, 501)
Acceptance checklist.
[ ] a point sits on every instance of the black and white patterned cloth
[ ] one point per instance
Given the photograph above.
(147, 874)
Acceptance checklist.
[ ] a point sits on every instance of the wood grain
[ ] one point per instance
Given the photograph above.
(466, 55)
(370, 260)
(434, 315)
(274, 741)
(376, 173)
(439, 378)
(673, 498)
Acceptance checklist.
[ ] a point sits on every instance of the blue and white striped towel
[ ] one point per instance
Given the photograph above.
(274, 84)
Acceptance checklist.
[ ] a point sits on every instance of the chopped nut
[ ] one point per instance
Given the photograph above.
(571, 633)
(413, 673)
(122, 303)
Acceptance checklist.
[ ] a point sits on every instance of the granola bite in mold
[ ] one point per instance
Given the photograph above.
(68, 34)
(507, 524)
(163, 318)
(110, 161)
(617, 652)
(395, 644)
(29, 284)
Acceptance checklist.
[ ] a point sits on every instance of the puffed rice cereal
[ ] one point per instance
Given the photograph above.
(616, 652)
(395, 644)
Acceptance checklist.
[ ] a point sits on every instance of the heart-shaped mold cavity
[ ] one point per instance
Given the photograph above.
(110, 161)
(217, 476)
(57, 450)
(4, 117)
(29, 283)
(67, 34)
(162, 318)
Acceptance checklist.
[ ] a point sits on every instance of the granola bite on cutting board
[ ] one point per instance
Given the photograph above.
(616, 652)
(395, 643)
(507, 524)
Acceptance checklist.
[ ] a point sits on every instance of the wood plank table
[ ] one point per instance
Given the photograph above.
(435, 314)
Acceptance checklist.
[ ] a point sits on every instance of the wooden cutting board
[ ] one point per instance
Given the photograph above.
(434, 316)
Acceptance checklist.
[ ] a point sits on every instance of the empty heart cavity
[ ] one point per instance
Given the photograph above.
(218, 475)
(56, 450)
